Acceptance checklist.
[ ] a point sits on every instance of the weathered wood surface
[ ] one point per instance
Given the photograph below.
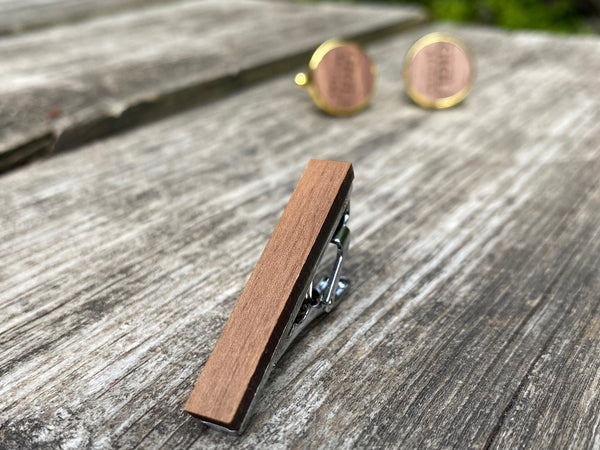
(24, 15)
(473, 316)
(63, 86)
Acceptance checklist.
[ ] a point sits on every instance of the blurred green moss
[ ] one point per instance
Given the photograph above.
(571, 16)
(557, 15)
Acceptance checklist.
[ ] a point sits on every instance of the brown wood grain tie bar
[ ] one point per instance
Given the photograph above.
(283, 295)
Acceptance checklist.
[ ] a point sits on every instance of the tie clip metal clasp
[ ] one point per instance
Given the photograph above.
(324, 296)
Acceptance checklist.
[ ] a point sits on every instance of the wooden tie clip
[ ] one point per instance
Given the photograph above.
(286, 291)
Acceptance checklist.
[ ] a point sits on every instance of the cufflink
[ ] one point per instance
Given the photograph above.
(439, 71)
(340, 77)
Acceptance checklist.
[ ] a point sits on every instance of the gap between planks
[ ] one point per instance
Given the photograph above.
(30, 131)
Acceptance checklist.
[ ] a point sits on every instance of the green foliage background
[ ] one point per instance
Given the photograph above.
(571, 16)
(557, 15)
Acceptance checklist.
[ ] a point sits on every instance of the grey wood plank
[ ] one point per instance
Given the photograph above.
(474, 265)
(25, 15)
(68, 85)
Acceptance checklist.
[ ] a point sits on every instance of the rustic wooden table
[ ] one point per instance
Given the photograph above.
(473, 316)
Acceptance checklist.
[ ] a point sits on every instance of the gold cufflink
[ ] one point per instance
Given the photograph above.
(439, 71)
(292, 284)
(340, 77)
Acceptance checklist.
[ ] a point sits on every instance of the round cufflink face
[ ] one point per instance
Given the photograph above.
(340, 79)
(438, 71)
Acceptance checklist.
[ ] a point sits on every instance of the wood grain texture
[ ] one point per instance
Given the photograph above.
(237, 365)
(25, 15)
(472, 320)
(68, 85)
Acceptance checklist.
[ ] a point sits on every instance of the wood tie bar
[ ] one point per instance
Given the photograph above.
(261, 320)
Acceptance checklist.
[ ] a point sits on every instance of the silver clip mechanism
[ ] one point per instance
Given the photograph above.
(325, 294)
